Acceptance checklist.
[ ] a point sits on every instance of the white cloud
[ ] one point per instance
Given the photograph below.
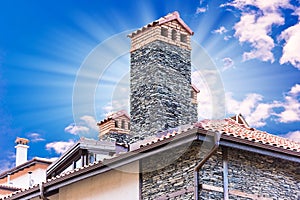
(60, 146)
(261, 4)
(76, 129)
(35, 137)
(227, 37)
(255, 30)
(295, 90)
(119, 100)
(245, 107)
(204, 98)
(227, 63)
(201, 10)
(86, 126)
(9, 162)
(220, 30)
(291, 48)
(252, 108)
(256, 112)
(291, 106)
(108, 108)
(90, 122)
(211, 96)
(6, 165)
(297, 12)
(256, 24)
(295, 136)
(117, 104)
(260, 114)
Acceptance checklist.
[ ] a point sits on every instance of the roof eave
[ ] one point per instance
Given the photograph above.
(154, 148)
(23, 166)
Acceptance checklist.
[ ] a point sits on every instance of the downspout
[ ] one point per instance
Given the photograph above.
(42, 192)
(201, 163)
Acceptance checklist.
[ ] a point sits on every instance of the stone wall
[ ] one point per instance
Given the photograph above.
(174, 172)
(251, 176)
(263, 175)
(160, 86)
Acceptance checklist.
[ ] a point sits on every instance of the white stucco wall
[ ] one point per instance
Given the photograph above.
(115, 184)
(21, 154)
(38, 175)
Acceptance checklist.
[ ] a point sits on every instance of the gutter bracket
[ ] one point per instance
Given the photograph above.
(42, 192)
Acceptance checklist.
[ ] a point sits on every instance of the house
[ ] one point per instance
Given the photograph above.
(84, 152)
(25, 173)
(245, 164)
(170, 154)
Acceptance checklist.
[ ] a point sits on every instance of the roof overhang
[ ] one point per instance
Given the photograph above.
(77, 149)
(194, 134)
(9, 188)
(27, 164)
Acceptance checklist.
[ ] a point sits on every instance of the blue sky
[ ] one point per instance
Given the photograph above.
(52, 71)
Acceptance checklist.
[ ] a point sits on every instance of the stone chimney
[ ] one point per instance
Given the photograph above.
(21, 150)
(160, 77)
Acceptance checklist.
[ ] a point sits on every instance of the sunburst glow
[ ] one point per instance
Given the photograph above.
(56, 69)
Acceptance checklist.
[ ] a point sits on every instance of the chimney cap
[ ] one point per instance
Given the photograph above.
(23, 141)
(169, 17)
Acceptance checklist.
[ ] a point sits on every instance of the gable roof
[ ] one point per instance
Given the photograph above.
(169, 17)
(240, 119)
(75, 152)
(27, 164)
(231, 133)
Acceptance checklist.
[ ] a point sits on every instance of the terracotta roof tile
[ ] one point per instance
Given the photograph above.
(8, 187)
(114, 116)
(227, 127)
(231, 128)
(169, 17)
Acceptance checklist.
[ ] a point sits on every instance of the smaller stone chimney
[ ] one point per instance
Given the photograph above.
(21, 150)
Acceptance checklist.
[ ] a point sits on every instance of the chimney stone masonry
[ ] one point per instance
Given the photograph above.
(160, 77)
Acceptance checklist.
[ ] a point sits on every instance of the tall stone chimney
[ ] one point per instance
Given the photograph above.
(21, 150)
(160, 77)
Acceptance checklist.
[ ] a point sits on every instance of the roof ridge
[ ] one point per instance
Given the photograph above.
(169, 17)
